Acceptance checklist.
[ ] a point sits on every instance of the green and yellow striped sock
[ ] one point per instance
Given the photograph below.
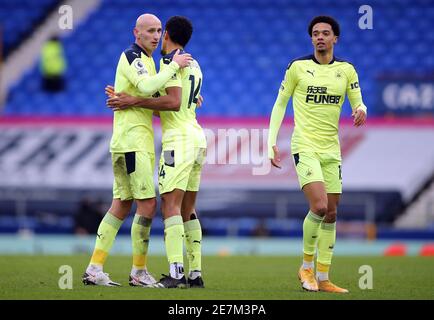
(140, 230)
(107, 230)
(326, 244)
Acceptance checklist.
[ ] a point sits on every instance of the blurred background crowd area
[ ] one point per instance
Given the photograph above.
(55, 127)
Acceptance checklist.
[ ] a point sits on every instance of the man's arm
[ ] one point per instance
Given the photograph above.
(169, 102)
(278, 113)
(148, 85)
(276, 119)
(354, 94)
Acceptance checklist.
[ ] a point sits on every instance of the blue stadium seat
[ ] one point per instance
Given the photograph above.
(18, 18)
(243, 47)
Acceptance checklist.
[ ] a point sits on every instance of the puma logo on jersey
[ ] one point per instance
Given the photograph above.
(311, 72)
(136, 54)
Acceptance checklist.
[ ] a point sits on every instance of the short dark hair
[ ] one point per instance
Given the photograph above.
(179, 29)
(325, 19)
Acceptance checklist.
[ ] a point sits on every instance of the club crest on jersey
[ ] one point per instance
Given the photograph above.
(338, 74)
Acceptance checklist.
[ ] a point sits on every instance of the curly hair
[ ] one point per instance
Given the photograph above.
(325, 19)
(179, 29)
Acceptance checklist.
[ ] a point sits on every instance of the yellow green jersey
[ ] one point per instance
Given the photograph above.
(318, 92)
(182, 126)
(132, 127)
(136, 75)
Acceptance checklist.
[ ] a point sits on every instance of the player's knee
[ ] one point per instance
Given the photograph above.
(120, 209)
(147, 207)
(320, 208)
(169, 208)
(330, 217)
(152, 206)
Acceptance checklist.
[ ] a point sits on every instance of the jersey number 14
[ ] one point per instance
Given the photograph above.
(194, 92)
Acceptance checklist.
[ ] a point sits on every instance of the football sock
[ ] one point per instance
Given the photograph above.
(176, 270)
(173, 239)
(107, 230)
(194, 274)
(311, 226)
(326, 243)
(308, 261)
(193, 244)
(140, 230)
(322, 271)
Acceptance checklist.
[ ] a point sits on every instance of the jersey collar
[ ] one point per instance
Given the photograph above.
(172, 53)
(135, 46)
(317, 62)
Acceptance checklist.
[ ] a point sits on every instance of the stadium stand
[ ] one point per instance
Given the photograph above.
(236, 42)
(19, 19)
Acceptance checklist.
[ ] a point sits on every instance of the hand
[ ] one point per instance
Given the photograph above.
(120, 101)
(199, 101)
(183, 60)
(359, 117)
(110, 91)
(276, 160)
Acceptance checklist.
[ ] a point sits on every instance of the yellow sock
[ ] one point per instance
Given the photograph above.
(308, 257)
(107, 230)
(174, 238)
(193, 244)
(140, 230)
(326, 244)
(322, 267)
(322, 271)
(311, 227)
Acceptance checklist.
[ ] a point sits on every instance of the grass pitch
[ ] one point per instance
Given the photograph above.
(226, 278)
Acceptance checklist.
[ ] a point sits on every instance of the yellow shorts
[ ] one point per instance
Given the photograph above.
(324, 167)
(133, 175)
(180, 170)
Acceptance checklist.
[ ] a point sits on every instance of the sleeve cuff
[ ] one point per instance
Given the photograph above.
(270, 152)
(363, 108)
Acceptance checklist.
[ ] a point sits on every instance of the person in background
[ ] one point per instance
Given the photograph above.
(53, 65)
(88, 217)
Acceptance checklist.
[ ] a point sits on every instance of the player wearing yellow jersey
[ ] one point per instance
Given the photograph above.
(182, 156)
(318, 84)
(183, 152)
(184, 146)
(132, 148)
